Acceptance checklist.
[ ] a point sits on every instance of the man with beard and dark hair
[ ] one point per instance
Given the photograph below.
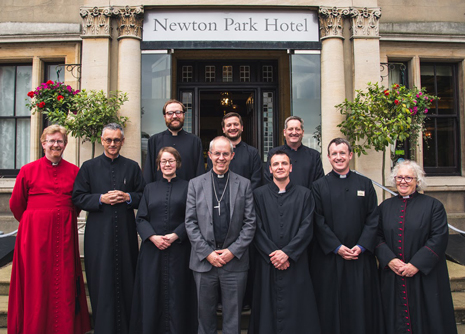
(246, 160)
(306, 162)
(109, 187)
(188, 145)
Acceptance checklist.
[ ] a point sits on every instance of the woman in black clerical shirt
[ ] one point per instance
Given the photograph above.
(412, 241)
(164, 290)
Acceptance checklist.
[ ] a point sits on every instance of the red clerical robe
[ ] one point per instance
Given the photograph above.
(47, 293)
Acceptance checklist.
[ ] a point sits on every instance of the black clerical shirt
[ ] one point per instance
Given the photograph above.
(220, 217)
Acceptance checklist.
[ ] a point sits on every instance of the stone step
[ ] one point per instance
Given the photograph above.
(457, 220)
(456, 276)
(8, 223)
(459, 306)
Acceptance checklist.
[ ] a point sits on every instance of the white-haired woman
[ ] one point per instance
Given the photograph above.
(413, 234)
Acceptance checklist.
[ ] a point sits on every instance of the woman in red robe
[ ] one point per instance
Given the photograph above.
(47, 289)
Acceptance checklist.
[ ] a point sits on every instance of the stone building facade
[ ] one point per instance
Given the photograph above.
(272, 59)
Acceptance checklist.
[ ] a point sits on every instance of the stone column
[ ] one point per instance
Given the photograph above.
(36, 119)
(366, 63)
(130, 21)
(95, 70)
(332, 75)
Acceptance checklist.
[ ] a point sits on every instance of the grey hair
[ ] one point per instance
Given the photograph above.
(413, 166)
(297, 118)
(218, 138)
(113, 126)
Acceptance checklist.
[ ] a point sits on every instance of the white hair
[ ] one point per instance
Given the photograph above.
(415, 168)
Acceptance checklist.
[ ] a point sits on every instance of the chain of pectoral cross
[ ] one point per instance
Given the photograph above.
(216, 196)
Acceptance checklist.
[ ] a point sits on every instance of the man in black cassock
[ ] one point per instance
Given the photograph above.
(343, 265)
(188, 145)
(283, 297)
(109, 188)
(246, 161)
(306, 162)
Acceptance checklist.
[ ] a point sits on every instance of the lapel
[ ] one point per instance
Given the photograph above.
(207, 188)
(234, 184)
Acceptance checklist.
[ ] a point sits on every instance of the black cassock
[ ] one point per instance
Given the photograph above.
(306, 165)
(110, 242)
(415, 230)
(164, 290)
(246, 163)
(189, 147)
(347, 291)
(283, 300)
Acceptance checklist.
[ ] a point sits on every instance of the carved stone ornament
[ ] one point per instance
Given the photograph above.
(96, 21)
(331, 21)
(365, 22)
(130, 20)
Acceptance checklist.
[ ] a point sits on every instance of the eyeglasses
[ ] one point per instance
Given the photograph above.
(167, 162)
(116, 141)
(407, 179)
(219, 154)
(53, 141)
(171, 113)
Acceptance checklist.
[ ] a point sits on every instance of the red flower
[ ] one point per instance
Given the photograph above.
(396, 102)
(30, 94)
(397, 86)
(50, 82)
(41, 104)
(386, 92)
(60, 97)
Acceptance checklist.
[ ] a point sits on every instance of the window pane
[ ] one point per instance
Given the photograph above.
(187, 101)
(156, 90)
(210, 73)
(429, 143)
(306, 100)
(7, 90)
(267, 113)
(445, 91)
(227, 73)
(7, 155)
(23, 86)
(52, 74)
(22, 142)
(446, 142)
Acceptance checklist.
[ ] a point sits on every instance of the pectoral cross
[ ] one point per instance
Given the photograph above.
(219, 208)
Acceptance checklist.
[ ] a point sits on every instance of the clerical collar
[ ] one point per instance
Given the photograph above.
(220, 176)
(341, 176)
(54, 163)
(282, 191)
(409, 196)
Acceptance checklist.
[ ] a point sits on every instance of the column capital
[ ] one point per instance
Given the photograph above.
(364, 22)
(96, 21)
(331, 21)
(130, 21)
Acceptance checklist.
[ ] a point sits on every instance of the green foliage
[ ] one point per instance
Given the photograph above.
(378, 116)
(94, 111)
(84, 113)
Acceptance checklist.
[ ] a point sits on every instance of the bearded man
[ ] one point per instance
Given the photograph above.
(188, 145)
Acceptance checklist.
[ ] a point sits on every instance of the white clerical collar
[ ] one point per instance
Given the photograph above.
(282, 191)
(408, 196)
